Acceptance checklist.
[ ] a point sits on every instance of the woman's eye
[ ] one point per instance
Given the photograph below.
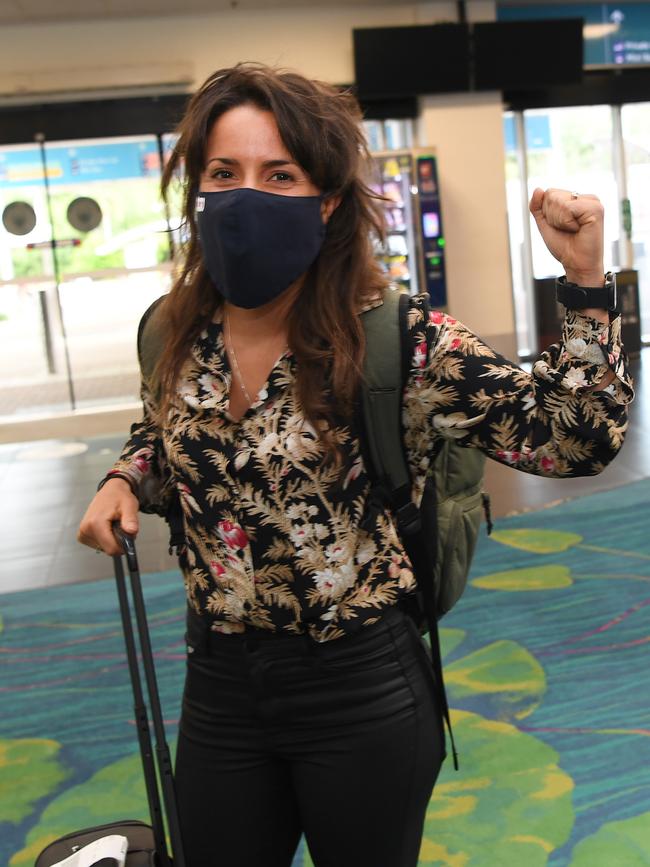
(281, 176)
(222, 175)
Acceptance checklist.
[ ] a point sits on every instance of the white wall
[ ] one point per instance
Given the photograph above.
(315, 40)
(467, 132)
(465, 129)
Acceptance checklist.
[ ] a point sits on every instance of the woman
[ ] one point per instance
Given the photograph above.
(309, 704)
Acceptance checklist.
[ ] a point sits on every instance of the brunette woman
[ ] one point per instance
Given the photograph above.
(309, 705)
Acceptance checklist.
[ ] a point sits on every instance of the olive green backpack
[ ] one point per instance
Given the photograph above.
(448, 520)
(440, 536)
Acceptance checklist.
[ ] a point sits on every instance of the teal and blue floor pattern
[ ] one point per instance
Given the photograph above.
(546, 663)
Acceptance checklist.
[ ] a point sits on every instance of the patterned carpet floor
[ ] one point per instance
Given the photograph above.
(546, 661)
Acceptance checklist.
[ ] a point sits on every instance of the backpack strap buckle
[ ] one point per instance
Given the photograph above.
(408, 518)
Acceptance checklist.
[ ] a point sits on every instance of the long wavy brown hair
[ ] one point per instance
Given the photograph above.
(321, 128)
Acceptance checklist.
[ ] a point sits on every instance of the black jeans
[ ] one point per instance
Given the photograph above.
(281, 735)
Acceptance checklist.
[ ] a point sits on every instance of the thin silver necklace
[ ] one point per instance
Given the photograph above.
(235, 365)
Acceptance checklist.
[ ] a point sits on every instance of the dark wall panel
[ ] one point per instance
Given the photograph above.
(91, 119)
(598, 87)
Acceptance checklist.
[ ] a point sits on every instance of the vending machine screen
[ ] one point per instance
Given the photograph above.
(432, 239)
(431, 224)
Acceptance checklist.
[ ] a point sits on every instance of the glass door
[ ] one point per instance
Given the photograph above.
(570, 148)
(81, 258)
(635, 123)
(578, 155)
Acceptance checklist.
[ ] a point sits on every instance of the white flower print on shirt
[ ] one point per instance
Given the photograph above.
(334, 582)
(575, 378)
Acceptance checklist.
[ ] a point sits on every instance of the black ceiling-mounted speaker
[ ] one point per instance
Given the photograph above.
(405, 61)
(84, 214)
(19, 218)
(524, 55)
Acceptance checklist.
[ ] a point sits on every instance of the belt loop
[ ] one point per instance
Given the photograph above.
(313, 649)
(197, 633)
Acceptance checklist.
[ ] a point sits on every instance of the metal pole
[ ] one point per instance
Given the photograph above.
(47, 331)
(40, 138)
(526, 247)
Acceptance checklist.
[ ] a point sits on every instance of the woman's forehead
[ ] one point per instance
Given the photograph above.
(246, 131)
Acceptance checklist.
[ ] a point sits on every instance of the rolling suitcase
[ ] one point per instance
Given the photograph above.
(146, 843)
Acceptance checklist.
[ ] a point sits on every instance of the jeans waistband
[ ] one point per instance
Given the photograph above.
(200, 636)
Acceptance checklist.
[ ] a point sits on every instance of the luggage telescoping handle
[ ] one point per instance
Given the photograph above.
(144, 736)
(141, 719)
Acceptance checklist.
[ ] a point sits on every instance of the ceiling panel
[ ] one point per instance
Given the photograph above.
(32, 11)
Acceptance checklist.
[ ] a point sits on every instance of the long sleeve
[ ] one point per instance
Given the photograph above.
(143, 460)
(549, 422)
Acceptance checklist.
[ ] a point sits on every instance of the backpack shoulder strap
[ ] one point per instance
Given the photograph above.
(385, 369)
(150, 338)
(150, 345)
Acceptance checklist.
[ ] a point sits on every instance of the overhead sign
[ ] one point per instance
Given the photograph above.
(79, 163)
(615, 34)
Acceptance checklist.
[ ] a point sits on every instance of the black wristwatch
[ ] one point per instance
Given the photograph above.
(576, 297)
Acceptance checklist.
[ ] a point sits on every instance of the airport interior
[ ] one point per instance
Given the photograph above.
(468, 107)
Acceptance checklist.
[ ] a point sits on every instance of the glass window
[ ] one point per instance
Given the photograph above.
(635, 120)
(572, 148)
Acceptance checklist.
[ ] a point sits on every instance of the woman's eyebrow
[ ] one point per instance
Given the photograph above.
(267, 164)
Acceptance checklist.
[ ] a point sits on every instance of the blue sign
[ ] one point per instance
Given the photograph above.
(510, 134)
(614, 33)
(79, 163)
(538, 132)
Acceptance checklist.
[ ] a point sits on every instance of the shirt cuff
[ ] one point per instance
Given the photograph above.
(117, 474)
(589, 350)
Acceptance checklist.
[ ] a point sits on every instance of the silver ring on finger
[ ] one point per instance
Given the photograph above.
(574, 195)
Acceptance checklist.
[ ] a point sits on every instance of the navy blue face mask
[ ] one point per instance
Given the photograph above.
(256, 244)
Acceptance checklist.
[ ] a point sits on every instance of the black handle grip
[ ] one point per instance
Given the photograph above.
(127, 543)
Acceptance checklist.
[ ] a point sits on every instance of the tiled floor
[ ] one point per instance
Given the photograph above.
(45, 488)
(54, 396)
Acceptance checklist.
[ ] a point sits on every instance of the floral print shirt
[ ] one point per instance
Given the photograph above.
(273, 534)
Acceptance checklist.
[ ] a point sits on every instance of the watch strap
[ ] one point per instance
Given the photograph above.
(576, 297)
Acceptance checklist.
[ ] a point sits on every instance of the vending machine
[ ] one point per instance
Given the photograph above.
(414, 253)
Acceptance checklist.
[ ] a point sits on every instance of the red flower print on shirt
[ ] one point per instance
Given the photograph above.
(217, 569)
(142, 460)
(420, 358)
(232, 535)
(508, 457)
